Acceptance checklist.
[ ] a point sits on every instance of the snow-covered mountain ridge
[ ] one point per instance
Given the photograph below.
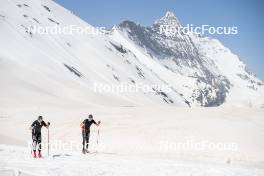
(215, 72)
(61, 70)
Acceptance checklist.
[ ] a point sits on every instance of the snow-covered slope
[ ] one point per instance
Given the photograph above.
(246, 88)
(62, 70)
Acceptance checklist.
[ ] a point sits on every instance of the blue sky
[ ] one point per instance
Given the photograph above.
(247, 15)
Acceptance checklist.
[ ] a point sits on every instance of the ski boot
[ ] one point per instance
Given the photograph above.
(39, 154)
(34, 154)
(83, 151)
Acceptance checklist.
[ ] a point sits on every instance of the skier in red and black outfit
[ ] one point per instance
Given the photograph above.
(85, 125)
(36, 134)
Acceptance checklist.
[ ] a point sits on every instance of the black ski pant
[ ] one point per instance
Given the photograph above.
(36, 137)
(86, 136)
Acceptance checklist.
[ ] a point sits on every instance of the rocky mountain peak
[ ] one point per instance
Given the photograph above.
(168, 19)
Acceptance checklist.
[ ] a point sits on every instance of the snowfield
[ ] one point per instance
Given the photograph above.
(14, 162)
(133, 141)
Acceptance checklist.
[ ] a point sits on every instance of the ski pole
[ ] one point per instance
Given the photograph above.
(31, 148)
(32, 144)
(48, 138)
(97, 140)
(98, 132)
(48, 142)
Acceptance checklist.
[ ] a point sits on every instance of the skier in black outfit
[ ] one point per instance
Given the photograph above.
(85, 125)
(36, 134)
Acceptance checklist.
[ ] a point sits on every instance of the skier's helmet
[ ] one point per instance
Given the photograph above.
(90, 117)
(40, 118)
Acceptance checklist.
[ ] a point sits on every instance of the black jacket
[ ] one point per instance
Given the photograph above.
(36, 126)
(86, 124)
